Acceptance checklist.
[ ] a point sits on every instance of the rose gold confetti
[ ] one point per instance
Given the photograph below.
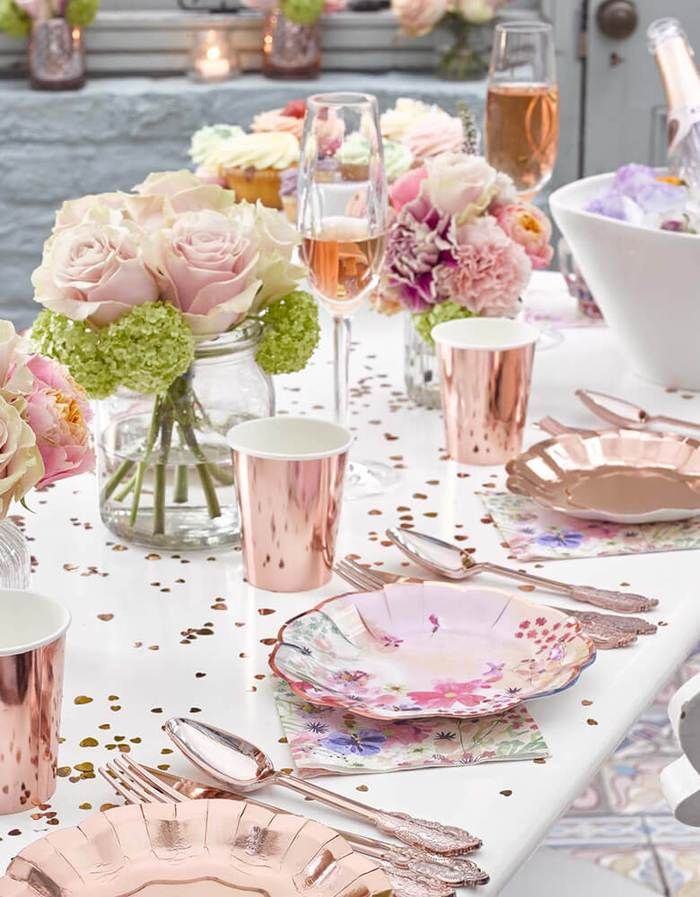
(587, 703)
(105, 807)
(115, 708)
(526, 588)
(156, 709)
(199, 675)
(195, 709)
(361, 787)
(662, 623)
(506, 792)
(112, 697)
(624, 584)
(69, 568)
(14, 832)
(82, 699)
(431, 514)
(259, 676)
(265, 611)
(153, 557)
(463, 476)
(166, 751)
(84, 767)
(592, 722)
(164, 767)
(153, 648)
(287, 770)
(268, 641)
(419, 495)
(89, 742)
(283, 740)
(85, 806)
(375, 512)
(220, 605)
(105, 617)
(63, 772)
(540, 760)
(119, 547)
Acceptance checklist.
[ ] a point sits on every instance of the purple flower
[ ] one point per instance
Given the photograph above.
(419, 241)
(610, 204)
(565, 539)
(632, 179)
(317, 728)
(366, 741)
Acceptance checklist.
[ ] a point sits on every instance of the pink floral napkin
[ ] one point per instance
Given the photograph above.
(534, 534)
(325, 740)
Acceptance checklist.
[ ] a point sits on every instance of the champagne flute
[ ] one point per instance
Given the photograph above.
(343, 221)
(522, 105)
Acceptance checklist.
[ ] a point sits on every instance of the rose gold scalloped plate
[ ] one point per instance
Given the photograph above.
(622, 476)
(208, 848)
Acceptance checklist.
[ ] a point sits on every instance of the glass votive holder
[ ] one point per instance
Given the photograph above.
(213, 57)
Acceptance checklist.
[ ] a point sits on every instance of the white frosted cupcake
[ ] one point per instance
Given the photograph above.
(253, 163)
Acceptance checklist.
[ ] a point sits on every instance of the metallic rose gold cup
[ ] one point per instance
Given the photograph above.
(289, 474)
(32, 644)
(485, 372)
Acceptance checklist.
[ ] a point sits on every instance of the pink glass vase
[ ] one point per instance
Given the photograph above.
(56, 55)
(290, 50)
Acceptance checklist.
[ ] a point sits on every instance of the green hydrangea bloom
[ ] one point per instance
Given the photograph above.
(446, 311)
(302, 12)
(76, 345)
(291, 334)
(82, 12)
(13, 21)
(149, 347)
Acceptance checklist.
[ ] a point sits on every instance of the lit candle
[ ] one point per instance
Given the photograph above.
(211, 59)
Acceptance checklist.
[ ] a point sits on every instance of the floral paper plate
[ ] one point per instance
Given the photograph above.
(430, 649)
(199, 848)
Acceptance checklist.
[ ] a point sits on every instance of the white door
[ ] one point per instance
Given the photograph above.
(623, 102)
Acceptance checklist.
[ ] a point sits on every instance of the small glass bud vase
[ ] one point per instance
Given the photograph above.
(56, 55)
(171, 486)
(290, 50)
(420, 368)
(15, 559)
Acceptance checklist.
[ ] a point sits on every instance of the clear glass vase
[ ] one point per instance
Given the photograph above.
(56, 55)
(15, 559)
(464, 50)
(164, 465)
(290, 50)
(420, 368)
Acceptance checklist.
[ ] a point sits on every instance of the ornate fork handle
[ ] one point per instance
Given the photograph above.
(454, 872)
(425, 834)
(405, 884)
(611, 622)
(608, 599)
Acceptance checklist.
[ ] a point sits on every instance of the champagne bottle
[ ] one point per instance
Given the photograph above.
(674, 56)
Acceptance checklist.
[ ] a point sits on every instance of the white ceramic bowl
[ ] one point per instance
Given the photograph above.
(646, 282)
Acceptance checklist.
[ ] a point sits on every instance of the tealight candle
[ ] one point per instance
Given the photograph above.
(212, 58)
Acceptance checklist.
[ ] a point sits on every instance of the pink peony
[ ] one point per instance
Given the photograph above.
(530, 227)
(209, 265)
(491, 270)
(94, 272)
(418, 17)
(59, 413)
(406, 188)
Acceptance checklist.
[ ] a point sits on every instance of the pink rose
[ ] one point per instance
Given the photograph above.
(407, 188)
(418, 17)
(208, 261)
(59, 413)
(491, 271)
(21, 467)
(530, 227)
(182, 191)
(94, 272)
(435, 133)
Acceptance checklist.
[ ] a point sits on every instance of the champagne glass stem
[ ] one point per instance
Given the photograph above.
(341, 340)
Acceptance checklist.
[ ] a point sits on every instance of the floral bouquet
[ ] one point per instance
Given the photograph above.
(44, 421)
(173, 303)
(16, 16)
(460, 17)
(461, 243)
(643, 196)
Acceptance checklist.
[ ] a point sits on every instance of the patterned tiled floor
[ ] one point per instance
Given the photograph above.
(623, 823)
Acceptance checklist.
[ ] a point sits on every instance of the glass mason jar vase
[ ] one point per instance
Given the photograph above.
(290, 50)
(164, 465)
(420, 368)
(15, 559)
(56, 55)
(463, 50)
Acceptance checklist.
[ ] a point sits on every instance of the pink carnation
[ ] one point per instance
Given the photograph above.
(491, 270)
(59, 413)
(529, 227)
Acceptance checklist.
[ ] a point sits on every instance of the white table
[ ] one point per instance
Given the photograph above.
(134, 663)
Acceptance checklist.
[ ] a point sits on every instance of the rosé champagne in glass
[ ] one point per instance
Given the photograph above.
(522, 105)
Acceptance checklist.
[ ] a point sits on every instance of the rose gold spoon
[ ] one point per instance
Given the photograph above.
(622, 413)
(236, 762)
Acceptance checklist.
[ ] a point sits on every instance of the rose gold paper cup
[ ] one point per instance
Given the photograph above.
(485, 371)
(289, 474)
(32, 643)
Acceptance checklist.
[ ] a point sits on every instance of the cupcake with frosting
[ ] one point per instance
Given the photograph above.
(407, 112)
(354, 154)
(204, 145)
(425, 130)
(252, 164)
(289, 119)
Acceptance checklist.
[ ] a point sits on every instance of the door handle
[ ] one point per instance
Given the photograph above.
(617, 19)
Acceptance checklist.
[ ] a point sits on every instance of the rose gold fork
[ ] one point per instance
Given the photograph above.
(413, 873)
(606, 631)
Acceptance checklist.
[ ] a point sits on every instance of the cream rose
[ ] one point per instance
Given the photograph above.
(208, 262)
(21, 466)
(461, 185)
(15, 376)
(182, 191)
(95, 272)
